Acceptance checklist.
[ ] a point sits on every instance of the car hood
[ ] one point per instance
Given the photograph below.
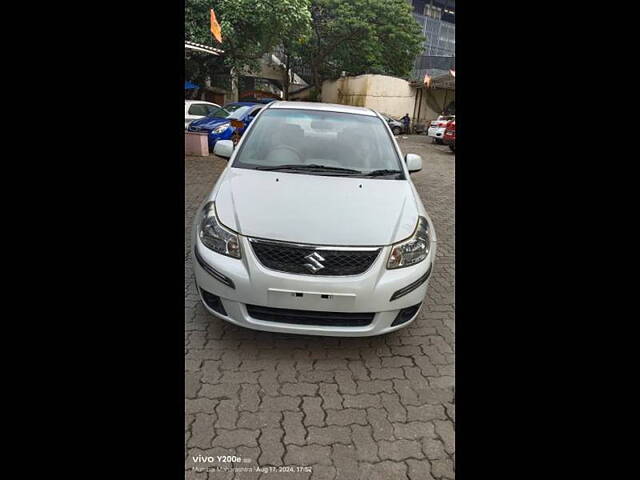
(316, 209)
(208, 123)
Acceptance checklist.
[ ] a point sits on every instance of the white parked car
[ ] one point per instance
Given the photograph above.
(437, 127)
(195, 109)
(314, 226)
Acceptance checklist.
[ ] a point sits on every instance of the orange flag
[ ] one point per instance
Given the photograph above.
(215, 27)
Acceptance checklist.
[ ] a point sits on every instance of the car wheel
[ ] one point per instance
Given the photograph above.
(452, 147)
(396, 130)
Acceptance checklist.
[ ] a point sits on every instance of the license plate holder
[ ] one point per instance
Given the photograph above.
(301, 299)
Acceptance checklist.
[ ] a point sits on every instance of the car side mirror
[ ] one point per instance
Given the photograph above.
(223, 148)
(414, 162)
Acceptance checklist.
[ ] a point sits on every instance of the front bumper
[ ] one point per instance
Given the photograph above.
(214, 137)
(257, 285)
(435, 132)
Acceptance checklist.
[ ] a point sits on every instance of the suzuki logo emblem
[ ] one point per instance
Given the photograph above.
(314, 262)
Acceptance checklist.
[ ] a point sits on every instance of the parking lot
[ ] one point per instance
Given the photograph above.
(329, 408)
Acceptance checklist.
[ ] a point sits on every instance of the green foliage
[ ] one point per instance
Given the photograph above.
(327, 36)
(250, 28)
(362, 36)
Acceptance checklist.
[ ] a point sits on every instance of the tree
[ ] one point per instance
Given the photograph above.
(361, 36)
(250, 28)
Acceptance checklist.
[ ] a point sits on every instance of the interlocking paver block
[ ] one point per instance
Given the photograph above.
(329, 435)
(305, 456)
(312, 408)
(446, 432)
(235, 438)
(347, 416)
(425, 413)
(220, 391)
(442, 468)
(299, 389)
(395, 410)
(192, 384)
(386, 373)
(202, 431)
(399, 449)
(271, 446)
(366, 446)
(382, 428)
(259, 420)
(375, 386)
(433, 448)
(413, 430)
(227, 411)
(345, 382)
(279, 404)
(363, 400)
(323, 472)
(293, 427)
(345, 460)
(419, 469)
(330, 396)
(249, 398)
(382, 471)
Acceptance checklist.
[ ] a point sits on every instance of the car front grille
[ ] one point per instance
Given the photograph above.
(311, 260)
(309, 317)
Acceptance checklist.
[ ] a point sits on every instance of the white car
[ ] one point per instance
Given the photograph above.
(195, 109)
(437, 127)
(314, 227)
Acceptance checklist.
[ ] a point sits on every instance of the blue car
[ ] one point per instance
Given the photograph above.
(218, 123)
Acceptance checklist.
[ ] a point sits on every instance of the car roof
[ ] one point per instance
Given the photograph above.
(249, 104)
(323, 107)
(188, 102)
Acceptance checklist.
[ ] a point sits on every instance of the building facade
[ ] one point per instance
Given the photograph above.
(438, 21)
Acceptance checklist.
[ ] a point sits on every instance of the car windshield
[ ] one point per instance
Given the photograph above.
(238, 111)
(320, 142)
(218, 113)
(231, 107)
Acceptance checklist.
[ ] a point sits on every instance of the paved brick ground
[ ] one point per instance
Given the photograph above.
(344, 408)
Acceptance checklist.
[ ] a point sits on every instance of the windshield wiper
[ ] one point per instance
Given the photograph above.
(310, 167)
(382, 172)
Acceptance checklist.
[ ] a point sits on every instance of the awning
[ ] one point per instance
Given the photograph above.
(202, 48)
(439, 79)
(190, 86)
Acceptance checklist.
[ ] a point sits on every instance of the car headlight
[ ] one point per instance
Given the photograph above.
(412, 250)
(215, 236)
(220, 128)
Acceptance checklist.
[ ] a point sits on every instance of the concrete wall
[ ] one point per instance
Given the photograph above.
(390, 95)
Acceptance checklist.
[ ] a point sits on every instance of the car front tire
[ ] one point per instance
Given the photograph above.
(396, 130)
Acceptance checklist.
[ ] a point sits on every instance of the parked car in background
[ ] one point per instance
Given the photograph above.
(218, 123)
(396, 126)
(437, 127)
(449, 137)
(314, 227)
(197, 109)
